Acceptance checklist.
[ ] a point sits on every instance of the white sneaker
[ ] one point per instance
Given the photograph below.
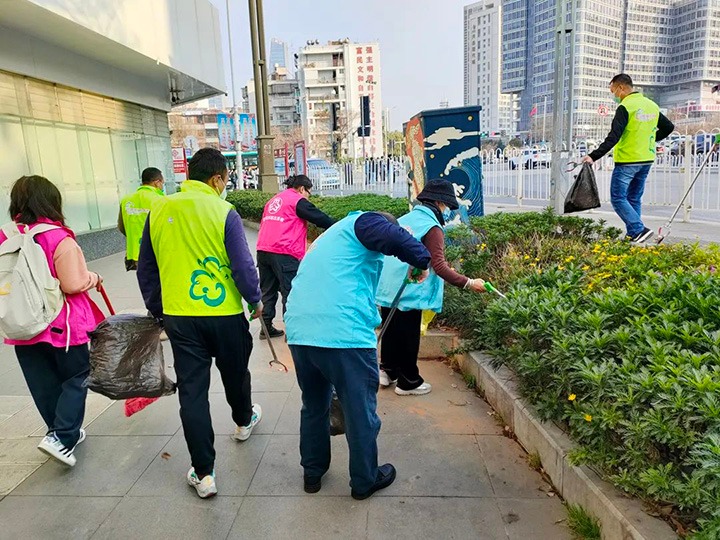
(424, 388)
(52, 446)
(385, 379)
(242, 433)
(206, 487)
(83, 435)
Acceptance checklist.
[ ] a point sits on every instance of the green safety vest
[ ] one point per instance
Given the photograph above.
(187, 231)
(637, 144)
(135, 208)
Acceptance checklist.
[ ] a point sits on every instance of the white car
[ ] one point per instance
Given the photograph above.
(322, 174)
(531, 159)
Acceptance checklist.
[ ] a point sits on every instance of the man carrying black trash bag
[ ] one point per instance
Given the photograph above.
(194, 271)
(638, 124)
(583, 194)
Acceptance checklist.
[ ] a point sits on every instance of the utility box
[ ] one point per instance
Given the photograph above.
(445, 143)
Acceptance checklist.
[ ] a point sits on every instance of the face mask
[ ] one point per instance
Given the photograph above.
(223, 195)
(616, 99)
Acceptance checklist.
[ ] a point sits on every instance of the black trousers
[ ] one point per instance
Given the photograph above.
(400, 346)
(276, 275)
(55, 379)
(195, 342)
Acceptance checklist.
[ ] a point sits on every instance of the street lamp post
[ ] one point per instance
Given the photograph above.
(266, 163)
(240, 183)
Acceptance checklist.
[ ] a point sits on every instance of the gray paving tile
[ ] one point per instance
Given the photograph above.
(280, 472)
(235, 465)
(528, 518)
(21, 451)
(10, 405)
(435, 465)
(289, 421)
(22, 424)
(95, 405)
(272, 404)
(56, 517)
(310, 518)
(159, 418)
(13, 474)
(431, 517)
(12, 382)
(107, 466)
(160, 518)
(509, 472)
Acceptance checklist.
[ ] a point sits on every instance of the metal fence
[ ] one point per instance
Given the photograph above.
(382, 176)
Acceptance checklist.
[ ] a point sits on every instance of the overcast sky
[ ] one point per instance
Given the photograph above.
(421, 43)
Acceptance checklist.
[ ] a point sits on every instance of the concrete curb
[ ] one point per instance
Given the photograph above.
(251, 225)
(621, 518)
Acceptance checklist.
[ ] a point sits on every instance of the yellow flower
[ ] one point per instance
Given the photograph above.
(483, 246)
(526, 257)
(588, 417)
(461, 260)
(570, 259)
(533, 265)
(586, 268)
(571, 397)
(561, 267)
(603, 254)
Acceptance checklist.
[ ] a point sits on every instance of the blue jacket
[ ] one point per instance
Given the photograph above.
(332, 301)
(427, 295)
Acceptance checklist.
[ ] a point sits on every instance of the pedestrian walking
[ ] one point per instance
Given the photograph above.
(194, 271)
(331, 320)
(401, 343)
(282, 243)
(638, 124)
(134, 209)
(56, 361)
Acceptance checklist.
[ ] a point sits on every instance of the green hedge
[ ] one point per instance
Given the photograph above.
(250, 204)
(618, 344)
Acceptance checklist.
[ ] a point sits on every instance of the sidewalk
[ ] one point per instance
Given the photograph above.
(458, 476)
(704, 232)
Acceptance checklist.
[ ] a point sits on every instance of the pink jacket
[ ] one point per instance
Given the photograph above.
(281, 230)
(84, 315)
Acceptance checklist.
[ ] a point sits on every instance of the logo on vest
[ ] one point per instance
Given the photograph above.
(204, 284)
(275, 205)
(641, 116)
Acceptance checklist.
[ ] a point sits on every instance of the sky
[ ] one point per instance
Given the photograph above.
(421, 43)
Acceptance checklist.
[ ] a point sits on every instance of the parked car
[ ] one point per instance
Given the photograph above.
(323, 174)
(531, 158)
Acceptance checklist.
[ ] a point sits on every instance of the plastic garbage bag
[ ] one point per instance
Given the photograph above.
(583, 194)
(126, 358)
(337, 418)
(427, 317)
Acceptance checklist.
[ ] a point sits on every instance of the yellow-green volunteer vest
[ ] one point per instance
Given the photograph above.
(135, 208)
(637, 144)
(187, 231)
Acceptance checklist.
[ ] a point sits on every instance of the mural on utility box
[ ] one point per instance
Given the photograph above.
(445, 143)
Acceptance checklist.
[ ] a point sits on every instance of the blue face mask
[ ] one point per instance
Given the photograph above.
(617, 99)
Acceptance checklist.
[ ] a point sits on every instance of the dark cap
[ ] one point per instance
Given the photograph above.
(439, 190)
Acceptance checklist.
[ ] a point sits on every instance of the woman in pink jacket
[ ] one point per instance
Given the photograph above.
(56, 362)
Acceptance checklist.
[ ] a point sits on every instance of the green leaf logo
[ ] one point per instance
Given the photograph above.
(204, 284)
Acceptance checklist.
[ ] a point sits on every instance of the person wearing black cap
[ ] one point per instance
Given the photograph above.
(282, 243)
(401, 342)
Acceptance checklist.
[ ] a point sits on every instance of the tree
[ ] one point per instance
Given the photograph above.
(286, 135)
(395, 142)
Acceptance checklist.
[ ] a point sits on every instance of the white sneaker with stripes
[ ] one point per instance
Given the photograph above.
(52, 446)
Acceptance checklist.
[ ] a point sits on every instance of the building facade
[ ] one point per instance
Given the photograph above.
(333, 80)
(483, 63)
(84, 101)
(671, 48)
(279, 55)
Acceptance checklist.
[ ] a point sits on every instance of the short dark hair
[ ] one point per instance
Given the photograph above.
(206, 163)
(150, 175)
(34, 197)
(622, 78)
(387, 215)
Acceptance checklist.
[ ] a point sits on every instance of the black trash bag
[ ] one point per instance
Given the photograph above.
(583, 194)
(126, 359)
(337, 418)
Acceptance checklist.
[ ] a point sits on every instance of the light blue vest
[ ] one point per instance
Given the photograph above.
(332, 301)
(428, 294)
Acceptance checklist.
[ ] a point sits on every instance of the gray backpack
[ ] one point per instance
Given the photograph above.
(30, 297)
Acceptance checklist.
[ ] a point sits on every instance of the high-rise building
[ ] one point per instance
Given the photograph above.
(333, 80)
(483, 61)
(671, 49)
(279, 55)
(283, 99)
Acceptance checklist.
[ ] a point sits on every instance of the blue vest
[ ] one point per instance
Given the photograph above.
(332, 301)
(428, 294)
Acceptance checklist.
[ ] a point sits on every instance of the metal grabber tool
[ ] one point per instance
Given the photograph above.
(269, 341)
(489, 287)
(396, 301)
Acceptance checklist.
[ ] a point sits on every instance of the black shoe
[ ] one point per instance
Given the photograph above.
(644, 236)
(274, 332)
(386, 476)
(312, 484)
